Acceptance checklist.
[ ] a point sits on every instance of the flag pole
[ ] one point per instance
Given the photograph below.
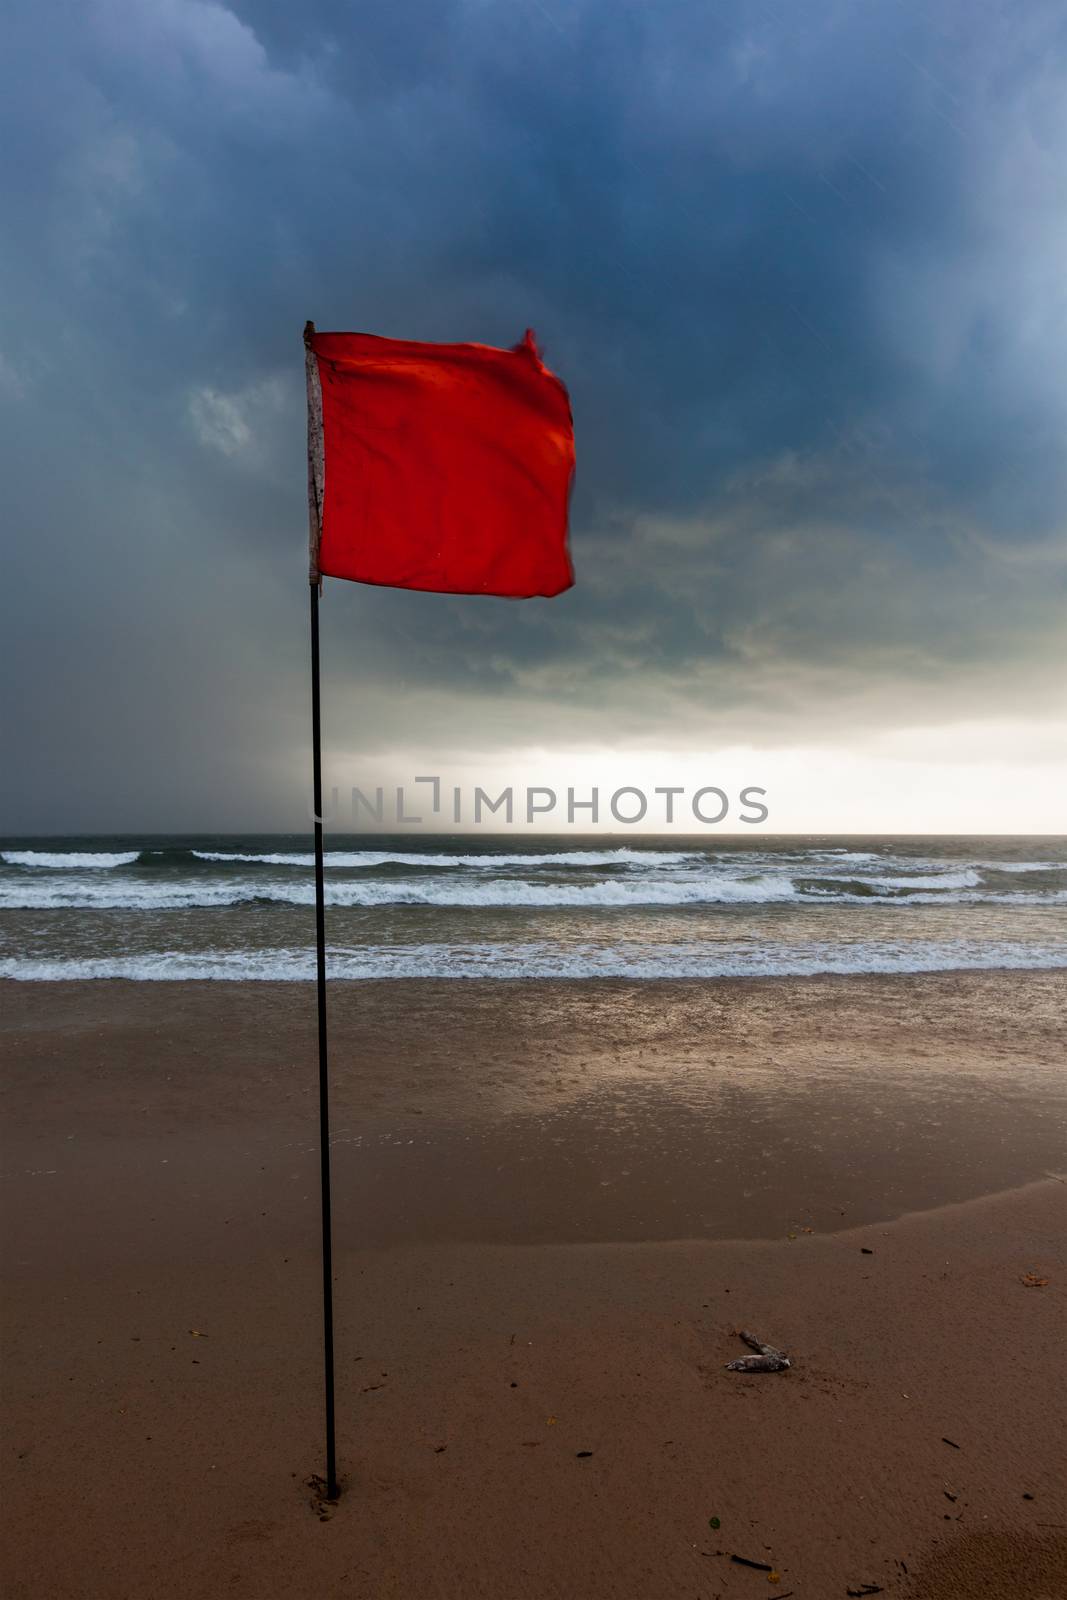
(314, 491)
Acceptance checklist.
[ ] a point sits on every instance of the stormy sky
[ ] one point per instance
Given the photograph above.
(801, 266)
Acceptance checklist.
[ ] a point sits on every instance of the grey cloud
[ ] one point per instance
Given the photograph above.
(800, 269)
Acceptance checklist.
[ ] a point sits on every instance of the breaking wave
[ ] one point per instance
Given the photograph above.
(445, 892)
(547, 961)
(489, 859)
(684, 886)
(225, 907)
(68, 860)
(934, 880)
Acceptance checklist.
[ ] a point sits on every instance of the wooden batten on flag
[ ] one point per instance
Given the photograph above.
(316, 455)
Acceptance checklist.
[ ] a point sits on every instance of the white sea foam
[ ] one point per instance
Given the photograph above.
(75, 894)
(933, 880)
(844, 855)
(444, 892)
(693, 889)
(704, 889)
(1023, 866)
(68, 860)
(543, 960)
(489, 859)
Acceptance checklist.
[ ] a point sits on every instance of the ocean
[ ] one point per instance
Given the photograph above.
(478, 906)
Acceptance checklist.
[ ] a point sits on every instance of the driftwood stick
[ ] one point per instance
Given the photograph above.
(768, 1360)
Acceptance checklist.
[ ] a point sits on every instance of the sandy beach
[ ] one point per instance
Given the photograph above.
(556, 1205)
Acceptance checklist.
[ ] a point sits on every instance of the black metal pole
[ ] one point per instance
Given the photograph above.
(324, 1077)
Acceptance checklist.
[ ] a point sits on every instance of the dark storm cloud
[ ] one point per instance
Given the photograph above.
(800, 266)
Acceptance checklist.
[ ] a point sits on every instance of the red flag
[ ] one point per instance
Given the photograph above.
(438, 466)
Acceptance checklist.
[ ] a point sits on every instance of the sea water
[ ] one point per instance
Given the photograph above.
(481, 906)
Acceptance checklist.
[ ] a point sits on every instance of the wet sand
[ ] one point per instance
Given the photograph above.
(553, 1201)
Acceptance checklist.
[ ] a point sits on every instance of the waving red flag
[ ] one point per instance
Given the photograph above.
(438, 466)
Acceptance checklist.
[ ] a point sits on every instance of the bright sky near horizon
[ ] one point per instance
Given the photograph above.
(801, 269)
(885, 785)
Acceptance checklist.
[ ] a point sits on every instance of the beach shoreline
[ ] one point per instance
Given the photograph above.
(541, 1249)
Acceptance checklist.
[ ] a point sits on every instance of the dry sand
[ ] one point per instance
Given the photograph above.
(555, 1204)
